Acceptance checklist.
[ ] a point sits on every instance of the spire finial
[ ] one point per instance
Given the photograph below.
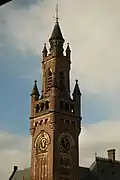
(56, 10)
(35, 81)
(76, 80)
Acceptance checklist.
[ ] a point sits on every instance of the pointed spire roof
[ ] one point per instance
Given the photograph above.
(35, 89)
(76, 90)
(44, 48)
(68, 48)
(44, 51)
(56, 34)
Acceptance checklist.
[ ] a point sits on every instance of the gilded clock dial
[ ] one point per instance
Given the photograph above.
(64, 144)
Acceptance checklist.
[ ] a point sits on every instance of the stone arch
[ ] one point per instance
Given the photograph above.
(69, 137)
(42, 134)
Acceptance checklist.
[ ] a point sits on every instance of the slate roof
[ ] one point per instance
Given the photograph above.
(103, 168)
(22, 174)
(85, 173)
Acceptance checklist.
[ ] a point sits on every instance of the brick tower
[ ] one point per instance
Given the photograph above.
(55, 121)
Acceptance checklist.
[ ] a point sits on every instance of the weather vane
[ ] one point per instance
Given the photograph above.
(56, 13)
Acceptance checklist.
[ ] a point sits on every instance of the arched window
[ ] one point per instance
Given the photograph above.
(47, 105)
(42, 106)
(48, 76)
(37, 108)
(62, 81)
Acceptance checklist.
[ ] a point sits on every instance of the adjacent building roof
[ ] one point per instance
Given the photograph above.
(22, 175)
(85, 173)
(105, 168)
(101, 169)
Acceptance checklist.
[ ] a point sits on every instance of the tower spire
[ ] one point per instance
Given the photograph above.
(56, 40)
(47, 128)
(56, 33)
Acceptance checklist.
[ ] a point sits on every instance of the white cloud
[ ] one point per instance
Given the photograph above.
(99, 138)
(15, 149)
(91, 27)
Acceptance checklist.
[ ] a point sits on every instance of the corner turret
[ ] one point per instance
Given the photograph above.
(68, 51)
(56, 40)
(34, 97)
(44, 51)
(77, 98)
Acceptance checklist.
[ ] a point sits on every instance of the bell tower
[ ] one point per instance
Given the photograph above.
(55, 121)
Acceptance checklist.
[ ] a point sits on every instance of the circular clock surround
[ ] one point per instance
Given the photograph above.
(42, 142)
(64, 144)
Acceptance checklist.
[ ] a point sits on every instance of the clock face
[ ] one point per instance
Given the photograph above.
(43, 144)
(64, 144)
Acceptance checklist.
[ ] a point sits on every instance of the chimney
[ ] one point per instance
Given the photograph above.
(111, 154)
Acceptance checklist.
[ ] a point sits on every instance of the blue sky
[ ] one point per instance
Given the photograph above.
(95, 40)
(15, 88)
(19, 69)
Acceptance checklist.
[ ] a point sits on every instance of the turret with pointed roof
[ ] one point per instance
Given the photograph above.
(34, 97)
(68, 51)
(76, 91)
(44, 51)
(56, 34)
(77, 98)
(35, 90)
(56, 40)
